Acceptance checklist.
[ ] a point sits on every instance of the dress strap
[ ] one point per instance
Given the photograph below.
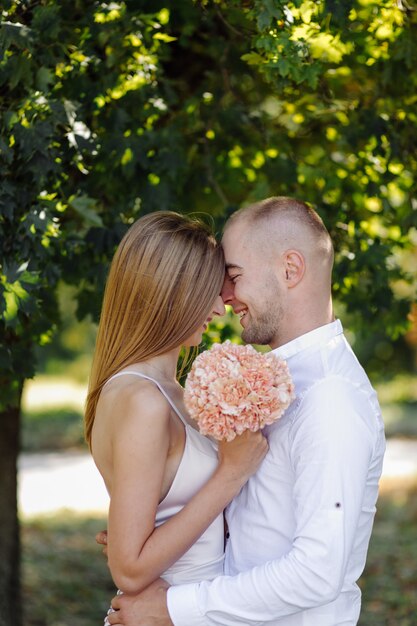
(161, 389)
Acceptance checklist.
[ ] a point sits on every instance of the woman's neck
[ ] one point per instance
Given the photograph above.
(162, 367)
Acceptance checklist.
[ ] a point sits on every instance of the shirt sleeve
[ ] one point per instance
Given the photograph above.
(331, 445)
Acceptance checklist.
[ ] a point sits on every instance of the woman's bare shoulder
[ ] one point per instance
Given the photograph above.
(132, 395)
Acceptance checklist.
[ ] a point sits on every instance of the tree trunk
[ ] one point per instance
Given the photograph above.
(10, 599)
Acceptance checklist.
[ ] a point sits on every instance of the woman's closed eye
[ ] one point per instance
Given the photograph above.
(234, 278)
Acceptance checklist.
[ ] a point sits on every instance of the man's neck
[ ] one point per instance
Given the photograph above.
(300, 327)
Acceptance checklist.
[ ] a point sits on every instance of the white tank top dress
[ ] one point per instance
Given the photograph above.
(204, 560)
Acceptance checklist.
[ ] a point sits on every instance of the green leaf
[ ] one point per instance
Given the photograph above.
(283, 66)
(164, 37)
(86, 207)
(253, 58)
(13, 271)
(44, 78)
(15, 34)
(21, 72)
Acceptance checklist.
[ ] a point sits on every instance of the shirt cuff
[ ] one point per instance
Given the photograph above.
(183, 607)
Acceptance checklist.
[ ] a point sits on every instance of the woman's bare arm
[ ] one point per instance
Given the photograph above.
(138, 552)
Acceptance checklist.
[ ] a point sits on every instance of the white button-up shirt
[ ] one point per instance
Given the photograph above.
(300, 527)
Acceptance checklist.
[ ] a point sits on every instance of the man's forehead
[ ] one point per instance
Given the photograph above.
(235, 230)
(240, 250)
(234, 240)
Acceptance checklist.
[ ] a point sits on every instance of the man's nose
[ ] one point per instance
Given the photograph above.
(219, 308)
(227, 292)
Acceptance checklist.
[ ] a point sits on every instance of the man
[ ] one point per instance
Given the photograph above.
(300, 528)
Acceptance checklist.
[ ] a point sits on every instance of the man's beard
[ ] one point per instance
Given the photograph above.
(264, 329)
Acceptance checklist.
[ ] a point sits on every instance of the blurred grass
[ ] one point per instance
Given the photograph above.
(66, 581)
(52, 429)
(400, 420)
(389, 582)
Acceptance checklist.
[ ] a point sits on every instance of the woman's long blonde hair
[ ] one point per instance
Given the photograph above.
(163, 280)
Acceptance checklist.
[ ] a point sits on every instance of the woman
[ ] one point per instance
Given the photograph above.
(167, 485)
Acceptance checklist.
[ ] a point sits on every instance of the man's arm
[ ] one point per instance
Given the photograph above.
(331, 447)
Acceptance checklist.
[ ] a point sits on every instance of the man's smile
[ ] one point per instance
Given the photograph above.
(242, 312)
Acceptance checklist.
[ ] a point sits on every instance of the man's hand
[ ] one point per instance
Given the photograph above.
(101, 539)
(149, 608)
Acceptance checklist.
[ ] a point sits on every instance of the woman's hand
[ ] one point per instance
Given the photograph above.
(101, 539)
(241, 457)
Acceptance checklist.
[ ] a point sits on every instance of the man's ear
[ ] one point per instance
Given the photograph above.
(294, 267)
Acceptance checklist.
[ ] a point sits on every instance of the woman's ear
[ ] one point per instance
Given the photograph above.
(294, 267)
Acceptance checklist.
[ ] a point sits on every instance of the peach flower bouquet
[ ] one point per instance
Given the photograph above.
(231, 388)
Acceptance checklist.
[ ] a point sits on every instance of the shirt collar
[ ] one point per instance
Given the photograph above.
(318, 335)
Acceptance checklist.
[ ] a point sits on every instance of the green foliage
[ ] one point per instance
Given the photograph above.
(341, 122)
(113, 110)
(69, 351)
